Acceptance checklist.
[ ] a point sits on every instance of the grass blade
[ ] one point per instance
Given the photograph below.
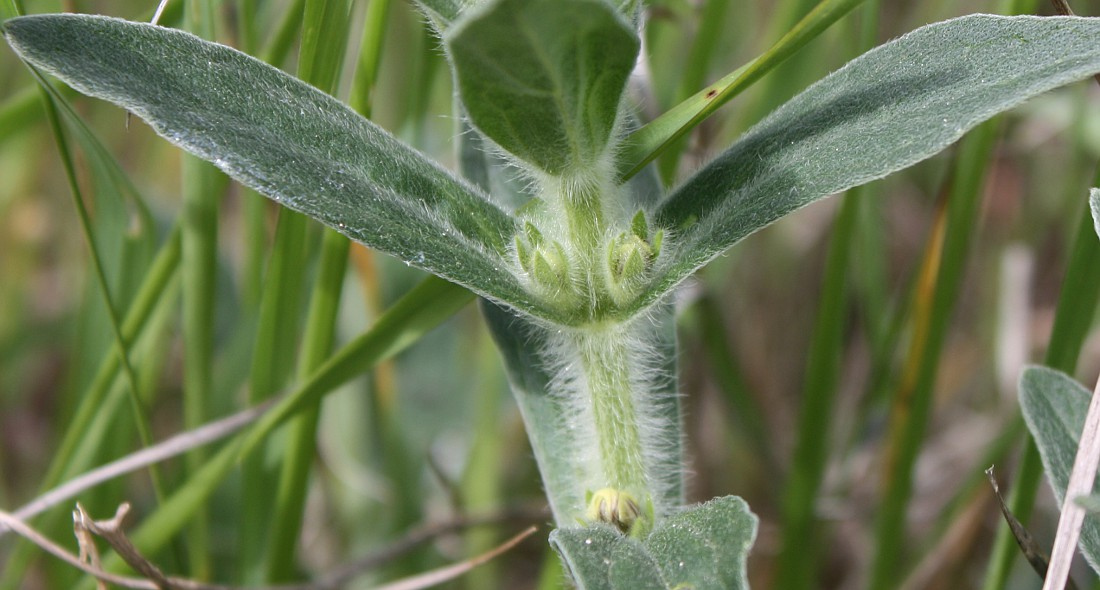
(645, 144)
(422, 309)
(937, 292)
(801, 537)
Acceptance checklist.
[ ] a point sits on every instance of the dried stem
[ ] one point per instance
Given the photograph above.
(154, 579)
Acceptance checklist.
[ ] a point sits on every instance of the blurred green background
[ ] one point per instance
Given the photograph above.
(915, 312)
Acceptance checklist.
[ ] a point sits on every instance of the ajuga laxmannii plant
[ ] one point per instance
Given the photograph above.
(577, 281)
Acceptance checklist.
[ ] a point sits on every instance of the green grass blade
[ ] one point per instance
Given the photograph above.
(255, 225)
(320, 331)
(98, 402)
(115, 179)
(301, 444)
(912, 404)
(247, 26)
(794, 73)
(20, 110)
(276, 347)
(801, 538)
(422, 309)
(696, 68)
(254, 205)
(431, 302)
(370, 56)
(325, 27)
(800, 552)
(319, 63)
(1077, 300)
(645, 144)
(111, 189)
(286, 33)
(202, 186)
(482, 484)
(272, 361)
(725, 368)
(122, 347)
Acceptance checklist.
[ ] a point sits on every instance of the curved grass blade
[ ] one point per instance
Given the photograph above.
(650, 141)
(284, 138)
(417, 312)
(888, 109)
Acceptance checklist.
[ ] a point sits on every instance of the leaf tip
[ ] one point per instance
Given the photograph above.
(6, 28)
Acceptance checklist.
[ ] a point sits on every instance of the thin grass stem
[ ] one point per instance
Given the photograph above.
(937, 293)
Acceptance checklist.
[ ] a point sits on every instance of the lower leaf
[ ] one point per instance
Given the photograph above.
(702, 548)
(1054, 406)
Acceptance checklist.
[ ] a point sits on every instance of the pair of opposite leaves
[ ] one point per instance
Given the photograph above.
(888, 109)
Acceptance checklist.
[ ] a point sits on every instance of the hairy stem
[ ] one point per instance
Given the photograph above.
(584, 214)
(605, 362)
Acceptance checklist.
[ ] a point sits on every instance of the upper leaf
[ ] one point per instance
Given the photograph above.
(444, 12)
(543, 78)
(285, 139)
(886, 110)
(1054, 407)
(702, 548)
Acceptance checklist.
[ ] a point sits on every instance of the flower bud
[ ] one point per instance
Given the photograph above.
(629, 257)
(615, 507)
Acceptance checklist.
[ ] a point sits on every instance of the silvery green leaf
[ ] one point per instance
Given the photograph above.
(1054, 407)
(543, 78)
(285, 139)
(702, 548)
(888, 109)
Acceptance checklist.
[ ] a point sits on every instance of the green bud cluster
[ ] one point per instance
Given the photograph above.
(545, 262)
(630, 255)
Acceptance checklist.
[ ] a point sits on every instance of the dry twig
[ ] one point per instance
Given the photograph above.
(154, 579)
(172, 447)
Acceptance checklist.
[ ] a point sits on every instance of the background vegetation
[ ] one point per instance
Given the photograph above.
(853, 340)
